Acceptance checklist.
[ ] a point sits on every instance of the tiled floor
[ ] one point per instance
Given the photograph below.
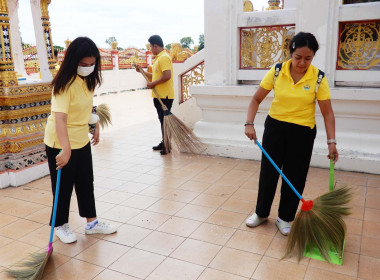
(179, 216)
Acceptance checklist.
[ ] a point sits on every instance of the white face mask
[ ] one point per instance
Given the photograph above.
(84, 71)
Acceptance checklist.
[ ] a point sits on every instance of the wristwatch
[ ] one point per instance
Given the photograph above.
(331, 141)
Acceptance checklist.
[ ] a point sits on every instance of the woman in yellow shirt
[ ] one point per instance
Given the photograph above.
(66, 136)
(290, 129)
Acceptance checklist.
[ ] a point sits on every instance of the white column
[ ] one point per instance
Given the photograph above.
(320, 18)
(40, 41)
(16, 46)
(221, 41)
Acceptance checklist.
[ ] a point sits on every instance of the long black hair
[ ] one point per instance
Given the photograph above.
(303, 39)
(80, 48)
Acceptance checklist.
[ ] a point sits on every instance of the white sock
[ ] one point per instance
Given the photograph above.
(90, 225)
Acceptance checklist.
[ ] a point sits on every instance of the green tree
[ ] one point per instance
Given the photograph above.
(201, 43)
(168, 46)
(186, 42)
(110, 40)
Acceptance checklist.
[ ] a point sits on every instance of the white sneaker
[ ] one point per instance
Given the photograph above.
(65, 234)
(283, 227)
(102, 228)
(255, 221)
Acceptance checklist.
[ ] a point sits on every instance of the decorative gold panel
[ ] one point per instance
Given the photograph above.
(23, 113)
(194, 76)
(262, 47)
(359, 46)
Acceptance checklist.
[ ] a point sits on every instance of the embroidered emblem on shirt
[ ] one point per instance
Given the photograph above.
(306, 87)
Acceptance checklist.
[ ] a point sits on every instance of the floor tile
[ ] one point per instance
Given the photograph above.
(140, 263)
(172, 269)
(213, 274)
(250, 242)
(226, 218)
(369, 268)
(19, 228)
(207, 200)
(128, 235)
(160, 243)
(213, 234)
(195, 212)
(102, 253)
(371, 229)
(149, 220)
(179, 226)
(110, 275)
(349, 266)
(140, 201)
(273, 269)
(14, 252)
(74, 270)
(318, 274)
(168, 207)
(236, 262)
(195, 251)
(120, 213)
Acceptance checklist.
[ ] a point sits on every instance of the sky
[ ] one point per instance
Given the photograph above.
(131, 22)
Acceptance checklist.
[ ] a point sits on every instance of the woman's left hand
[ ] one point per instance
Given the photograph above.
(333, 152)
(95, 136)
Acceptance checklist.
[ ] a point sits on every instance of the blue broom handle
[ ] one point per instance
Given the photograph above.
(279, 170)
(55, 205)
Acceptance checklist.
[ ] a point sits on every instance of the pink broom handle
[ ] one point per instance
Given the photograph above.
(305, 203)
(54, 210)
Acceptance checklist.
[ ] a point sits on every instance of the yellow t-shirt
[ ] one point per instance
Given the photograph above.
(163, 62)
(76, 101)
(295, 103)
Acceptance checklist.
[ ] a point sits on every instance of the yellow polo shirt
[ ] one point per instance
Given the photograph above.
(163, 62)
(76, 101)
(295, 103)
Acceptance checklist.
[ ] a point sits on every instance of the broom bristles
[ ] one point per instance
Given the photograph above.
(32, 269)
(179, 137)
(104, 113)
(322, 227)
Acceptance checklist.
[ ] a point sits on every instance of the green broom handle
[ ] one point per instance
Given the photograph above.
(279, 170)
(55, 207)
(331, 181)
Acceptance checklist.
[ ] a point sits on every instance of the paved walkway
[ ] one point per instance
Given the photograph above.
(179, 217)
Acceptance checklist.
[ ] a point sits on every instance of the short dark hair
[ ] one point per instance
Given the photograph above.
(78, 49)
(156, 40)
(303, 39)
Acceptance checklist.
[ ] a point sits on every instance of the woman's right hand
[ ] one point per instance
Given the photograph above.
(250, 132)
(63, 158)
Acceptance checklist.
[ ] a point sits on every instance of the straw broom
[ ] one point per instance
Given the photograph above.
(33, 268)
(319, 223)
(177, 135)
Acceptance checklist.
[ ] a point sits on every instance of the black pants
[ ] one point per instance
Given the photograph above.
(290, 146)
(78, 172)
(160, 112)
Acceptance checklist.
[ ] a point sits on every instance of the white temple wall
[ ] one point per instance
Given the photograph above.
(224, 102)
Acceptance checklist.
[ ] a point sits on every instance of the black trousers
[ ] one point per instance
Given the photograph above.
(160, 112)
(290, 146)
(78, 172)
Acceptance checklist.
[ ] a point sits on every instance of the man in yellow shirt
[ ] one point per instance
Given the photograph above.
(162, 82)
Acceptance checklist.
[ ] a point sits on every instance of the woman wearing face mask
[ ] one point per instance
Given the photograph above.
(66, 136)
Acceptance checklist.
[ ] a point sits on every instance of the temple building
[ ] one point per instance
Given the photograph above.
(213, 86)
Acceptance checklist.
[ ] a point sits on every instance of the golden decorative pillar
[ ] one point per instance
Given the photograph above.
(114, 45)
(7, 74)
(273, 5)
(67, 43)
(248, 7)
(47, 35)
